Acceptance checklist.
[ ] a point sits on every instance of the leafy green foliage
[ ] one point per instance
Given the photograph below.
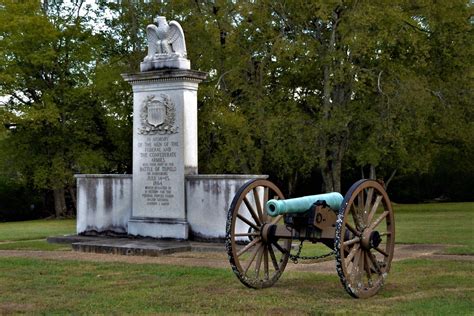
(45, 65)
(294, 88)
(346, 81)
(59, 100)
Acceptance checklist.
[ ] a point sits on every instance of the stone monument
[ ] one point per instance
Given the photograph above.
(165, 197)
(164, 133)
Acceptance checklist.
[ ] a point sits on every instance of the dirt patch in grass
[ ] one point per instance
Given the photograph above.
(219, 259)
(10, 308)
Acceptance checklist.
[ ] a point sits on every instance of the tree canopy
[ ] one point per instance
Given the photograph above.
(305, 91)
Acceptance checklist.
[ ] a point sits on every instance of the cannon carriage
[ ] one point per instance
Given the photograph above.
(359, 228)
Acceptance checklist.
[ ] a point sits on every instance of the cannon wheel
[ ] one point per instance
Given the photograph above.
(365, 238)
(256, 262)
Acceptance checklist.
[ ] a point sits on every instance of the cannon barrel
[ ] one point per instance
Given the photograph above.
(302, 204)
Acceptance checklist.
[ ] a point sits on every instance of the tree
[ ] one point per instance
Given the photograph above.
(249, 121)
(347, 81)
(370, 92)
(46, 62)
(294, 87)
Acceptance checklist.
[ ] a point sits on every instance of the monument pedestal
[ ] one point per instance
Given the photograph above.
(158, 227)
(165, 62)
(164, 150)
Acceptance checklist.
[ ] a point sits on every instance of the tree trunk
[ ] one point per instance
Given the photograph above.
(336, 175)
(331, 173)
(332, 144)
(372, 172)
(292, 181)
(59, 202)
(328, 184)
(390, 178)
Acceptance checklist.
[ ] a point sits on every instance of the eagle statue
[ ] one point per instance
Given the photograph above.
(165, 40)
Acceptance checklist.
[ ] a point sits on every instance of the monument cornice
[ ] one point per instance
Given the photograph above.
(102, 176)
(169, 74)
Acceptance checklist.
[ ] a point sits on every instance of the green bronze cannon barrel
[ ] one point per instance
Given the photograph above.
(302, 204)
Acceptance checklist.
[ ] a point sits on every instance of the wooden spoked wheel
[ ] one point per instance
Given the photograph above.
(365, 238)
(256, 262)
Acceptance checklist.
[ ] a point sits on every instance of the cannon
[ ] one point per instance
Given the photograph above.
(358, 228)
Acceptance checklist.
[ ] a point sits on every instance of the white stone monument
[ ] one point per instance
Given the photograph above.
(164, 133)
(165, 197)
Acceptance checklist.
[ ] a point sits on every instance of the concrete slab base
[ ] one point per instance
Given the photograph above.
(134, 246)
(131, 248)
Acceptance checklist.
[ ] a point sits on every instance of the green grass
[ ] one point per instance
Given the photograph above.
(31, 235)
(65, 287)
(38, 229)
(39, 244)
(418, 287)
(437, 223)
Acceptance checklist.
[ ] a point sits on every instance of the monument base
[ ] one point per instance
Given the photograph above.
(173, 228)
(104, 206)
(165, 63)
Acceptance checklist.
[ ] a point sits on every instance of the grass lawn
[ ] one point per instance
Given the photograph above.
(38, 229)
(416, 286)
(31, 235)
(436, 223)
(65, 287)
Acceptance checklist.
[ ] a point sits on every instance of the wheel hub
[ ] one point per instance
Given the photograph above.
(268, 232)
(370, 239)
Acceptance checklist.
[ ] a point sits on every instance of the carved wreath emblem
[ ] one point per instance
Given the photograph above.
(158, 116)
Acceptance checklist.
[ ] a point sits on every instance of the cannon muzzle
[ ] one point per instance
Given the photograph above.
(302, 204)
